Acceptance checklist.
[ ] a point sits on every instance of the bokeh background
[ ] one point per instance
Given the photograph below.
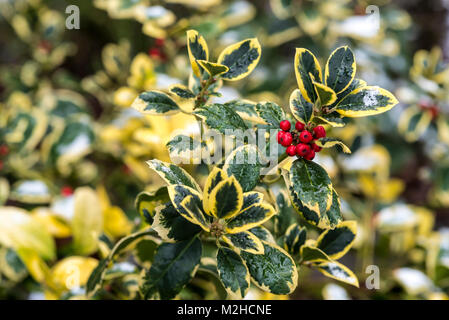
(68, 137)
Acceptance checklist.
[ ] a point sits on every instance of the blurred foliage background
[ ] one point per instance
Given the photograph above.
(72, 152)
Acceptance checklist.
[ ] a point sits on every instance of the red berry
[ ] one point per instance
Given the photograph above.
(315, 147)
(286, 139)
(310, 155)
(305, 136)
(155, 53)
(4, 150)
(66, 191)
(159, 42)
(299, 126)
(1, 165)
(319, 132)
(302, 149)
(285, 125)
(280, 135)
(291, 151)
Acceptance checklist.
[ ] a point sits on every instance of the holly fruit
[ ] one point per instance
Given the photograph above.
(305, 136)
(285, 125)
(286, 139)
(279, 136)
(291, 150)
(315, 147)
(299, 126)
(302, 149)
(66, 191)
(310, 155)
(319, 132)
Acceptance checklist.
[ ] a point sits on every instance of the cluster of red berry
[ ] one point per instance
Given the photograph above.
(300, 142)
(156, 51)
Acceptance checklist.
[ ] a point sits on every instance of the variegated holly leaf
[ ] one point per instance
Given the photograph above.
(310, 190)
(197, 49)
(233, 273)
(249, 218)
(241, 58)
(182, 91)
(244, 163)
(307, 70)
(171, 226)
(312, 254)
(285, 215)
(244, 241)
(326, 95)
(337, 271)
(155, 103)
(263, 234)
(173, 267)
(413, 122)
(213, 69)
(273, 271)
(336, 242)
(340, 69)
(271, 113)
(221, 117)
(301, 109)
(331, 142)
(186, 149)
(366, 101)
(334, 216)
(173, 174)
(146, 203)
(294, 238)
(216, 176)
(226, 199)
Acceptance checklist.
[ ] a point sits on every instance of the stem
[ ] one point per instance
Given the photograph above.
(199, 99)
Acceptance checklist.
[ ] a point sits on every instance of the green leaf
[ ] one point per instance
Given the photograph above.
(221, 117)
(173, 174)
(182, 91)
(285, 215)
(244, 241)
(335, 121)
(241, 59)
(294, 238)
(306, 64)
(336, 242)
(313, 254)
(310, 190)
(198, 50)
(146, 203)
(273, 271)
(334, 214)
(301, 109)
(325, 94)
(251, 198)
(12, 266)
(244, 164)
(216, 176)
(226, 199)
(173, 267)
(271, 113)
(263, 234)
(336, 270)
(233, 272)
(366, 101)
(252, 217)
(245, 109)
(340, 69)
(214, 69)
(171, 226)
(155, 103)
(185, 149)
(331, 142)
(96, 277)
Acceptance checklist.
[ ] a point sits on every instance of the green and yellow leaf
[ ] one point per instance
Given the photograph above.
(226, 199)
(198, 50)
(251, 198)
(305, 64)
(273, 271)
(294, 238)
(301, 109)
(413, 122)
(233, 273)
(172, 226)
(366, 101)
(181, 91)
(221, 117)
(155, 103)
(216, 176)
(173, 174)
(191, 210)
(241, 59)
(213, 69)
(334, 216)
(313, 254)
(325, 94)
(252, 217)
(340, 69)
(271, 113)
(331, 142)
(337, 271)
(146, 203)
(244, 241)
(336, 242)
